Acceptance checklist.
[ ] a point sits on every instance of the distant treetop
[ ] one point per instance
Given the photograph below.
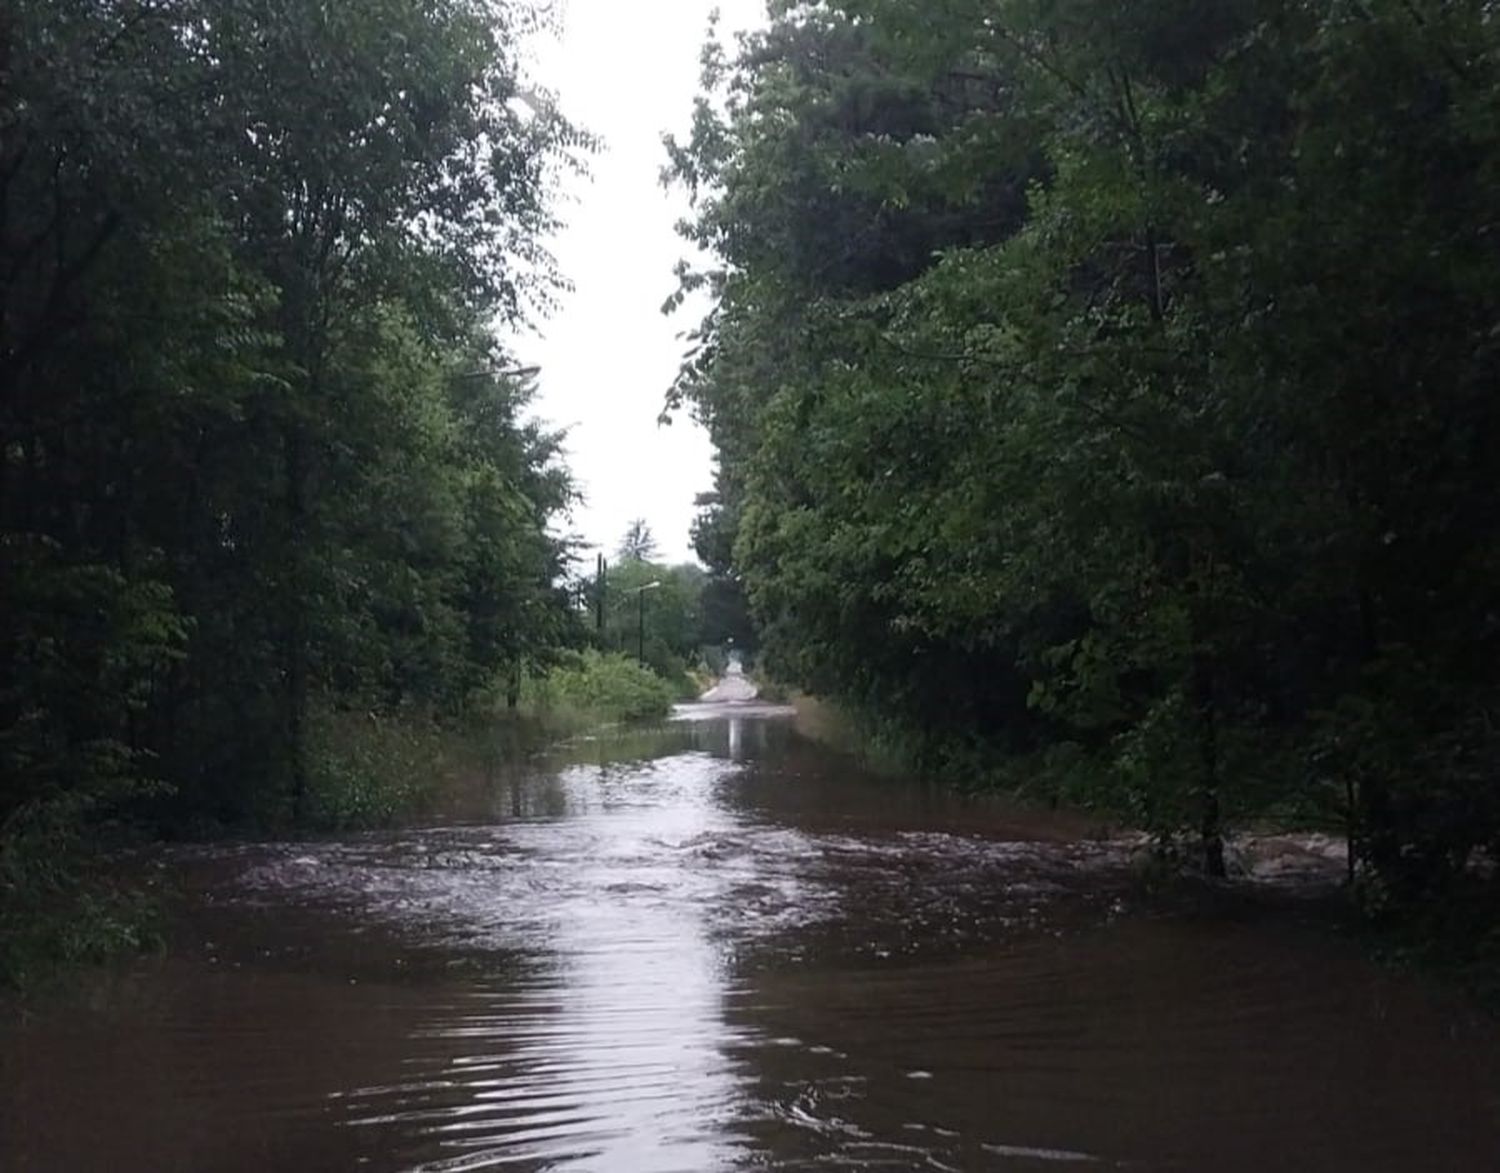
(638, 544)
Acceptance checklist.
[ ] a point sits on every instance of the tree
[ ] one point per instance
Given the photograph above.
(251, 467)
(726, 611)
(637, 545)
(659, 610)
(1062, 427)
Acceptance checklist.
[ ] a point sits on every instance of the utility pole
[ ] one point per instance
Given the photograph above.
(599, 588)
(640, 631)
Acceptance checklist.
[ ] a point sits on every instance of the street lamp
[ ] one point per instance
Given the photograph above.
(640, 630)
(503, 373)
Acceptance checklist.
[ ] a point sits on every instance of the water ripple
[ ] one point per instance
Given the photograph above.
(742, 955)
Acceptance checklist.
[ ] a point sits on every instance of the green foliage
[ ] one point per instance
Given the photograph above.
(57, 905)
(1103, 398)
(369, 770)
(594, 687)
(258, 444)
(656, 613)
(91, 921)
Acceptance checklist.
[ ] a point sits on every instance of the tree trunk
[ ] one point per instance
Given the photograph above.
(294, 631)
(1210, 829)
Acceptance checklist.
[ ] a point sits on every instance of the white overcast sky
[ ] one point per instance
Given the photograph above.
(627, 72)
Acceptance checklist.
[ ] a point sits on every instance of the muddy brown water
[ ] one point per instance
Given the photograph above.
(719, 947)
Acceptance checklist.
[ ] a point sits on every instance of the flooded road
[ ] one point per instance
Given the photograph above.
(721, 947)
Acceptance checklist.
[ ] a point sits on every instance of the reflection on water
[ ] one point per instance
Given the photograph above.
(615, 1056)
(714, 946)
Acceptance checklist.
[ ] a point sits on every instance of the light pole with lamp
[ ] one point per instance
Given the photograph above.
(640, 630)
(502, 373)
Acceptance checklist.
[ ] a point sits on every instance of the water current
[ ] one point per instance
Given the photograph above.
(720, 946)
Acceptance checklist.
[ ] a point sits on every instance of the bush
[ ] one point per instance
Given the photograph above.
(598, 687)
(58, 905)
(366, 770)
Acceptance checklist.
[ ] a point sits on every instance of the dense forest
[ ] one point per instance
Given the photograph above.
(1105, 397)
(264, 463)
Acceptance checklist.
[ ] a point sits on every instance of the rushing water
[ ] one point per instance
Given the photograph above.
(723, 948)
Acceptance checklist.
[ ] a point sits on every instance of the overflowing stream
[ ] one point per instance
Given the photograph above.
(720, 946)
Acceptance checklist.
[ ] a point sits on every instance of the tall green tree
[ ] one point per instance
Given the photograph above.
(260, 454)
(1104, 389)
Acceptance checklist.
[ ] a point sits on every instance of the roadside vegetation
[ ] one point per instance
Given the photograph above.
(625, 662)
(1104, 403)
(594, 688)
(678, 620)
(269, 506)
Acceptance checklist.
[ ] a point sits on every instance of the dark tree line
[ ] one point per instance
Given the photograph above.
(260, 456)
(1106, 397)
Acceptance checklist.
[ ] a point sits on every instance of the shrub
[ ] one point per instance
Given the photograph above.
(366, 770)
(600, 687)
(58, 905)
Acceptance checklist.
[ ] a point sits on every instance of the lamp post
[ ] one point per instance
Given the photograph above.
(503, 373)
(640, 630)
